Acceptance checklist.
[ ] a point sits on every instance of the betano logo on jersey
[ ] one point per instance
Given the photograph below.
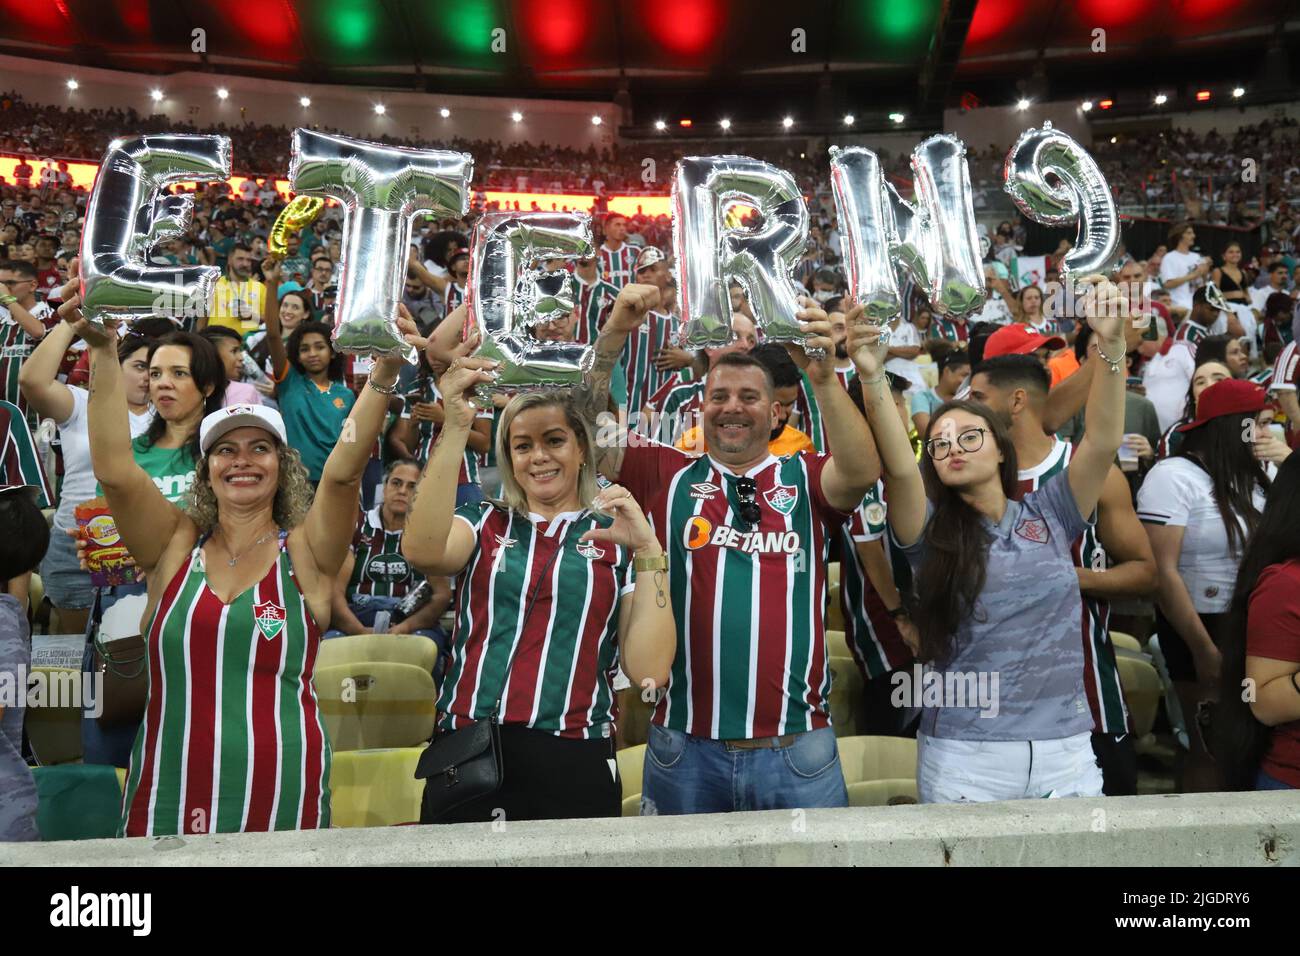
(701, 532)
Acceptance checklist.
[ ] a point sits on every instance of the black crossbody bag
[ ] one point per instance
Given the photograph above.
(466, 763)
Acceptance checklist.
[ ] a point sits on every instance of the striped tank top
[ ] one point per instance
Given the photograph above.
(232, 738)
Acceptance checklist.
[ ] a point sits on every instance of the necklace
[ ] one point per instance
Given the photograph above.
(235, 559)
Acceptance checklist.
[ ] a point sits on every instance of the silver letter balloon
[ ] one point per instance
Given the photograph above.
(382, 189)
(511, 291)
(1080, 194)
(709, 253)
(129, 213)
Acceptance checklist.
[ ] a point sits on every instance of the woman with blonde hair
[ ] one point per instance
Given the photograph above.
(558, 584)
(232, 738)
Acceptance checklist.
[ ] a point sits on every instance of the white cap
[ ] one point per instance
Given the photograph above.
(648, 257)
(240, 416)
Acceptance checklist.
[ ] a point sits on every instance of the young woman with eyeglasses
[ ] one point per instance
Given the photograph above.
(995, 599)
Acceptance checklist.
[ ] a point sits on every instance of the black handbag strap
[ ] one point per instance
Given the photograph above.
(528, 610)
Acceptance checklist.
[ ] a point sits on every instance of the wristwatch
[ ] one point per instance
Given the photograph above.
(658, 562)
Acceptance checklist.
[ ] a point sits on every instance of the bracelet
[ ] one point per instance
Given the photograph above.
(382, 390)
(873, 381)
(658, 562)
(1114, 365)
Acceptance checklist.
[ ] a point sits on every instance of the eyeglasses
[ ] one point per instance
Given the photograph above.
(970, 441)
(747, 491)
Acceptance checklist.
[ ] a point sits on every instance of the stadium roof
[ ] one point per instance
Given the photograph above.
(675, 57)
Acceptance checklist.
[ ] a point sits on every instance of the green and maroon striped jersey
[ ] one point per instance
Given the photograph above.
(810, 413)
(232, 738)
(871, 633)
(617, 266)
(639, 352)
(379, 570)
(565, 644)
(1100, 672)
(749, 600)
(15, 345)
(594, 298)
(19, 462)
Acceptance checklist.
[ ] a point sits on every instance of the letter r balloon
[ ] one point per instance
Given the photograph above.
(129, 213)
(708, 252)
(382, 189)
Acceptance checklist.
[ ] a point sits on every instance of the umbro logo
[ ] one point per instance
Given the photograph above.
(505, 542)
(704, 490)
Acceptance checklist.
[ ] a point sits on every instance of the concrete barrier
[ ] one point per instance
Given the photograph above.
(1249, 829)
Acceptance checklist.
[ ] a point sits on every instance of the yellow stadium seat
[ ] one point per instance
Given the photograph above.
(414, 649)
(882, 793)
(1120, 639)
(866, 759)
(55, 732)
(846, 696)
(375, 788)
(633, 717)
(35, 593)
(834, 613)
(1142, 691)
(837, 645)
(631, 761)
(833, 574)
(376, 705)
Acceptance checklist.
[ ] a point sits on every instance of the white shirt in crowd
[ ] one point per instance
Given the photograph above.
(1175, 265)
(78, 475)
(1178, 492)
(1167, 378)
(905, 335)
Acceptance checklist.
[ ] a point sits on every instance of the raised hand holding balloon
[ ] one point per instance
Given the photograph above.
(709, 252)
(1076, 192)
(507, 295)
(382, 189)
(129, 213)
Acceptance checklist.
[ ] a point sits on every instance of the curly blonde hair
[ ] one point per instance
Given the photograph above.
(293, 493)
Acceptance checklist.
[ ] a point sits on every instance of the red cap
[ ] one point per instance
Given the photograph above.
(1231, 396)
(1019, 339)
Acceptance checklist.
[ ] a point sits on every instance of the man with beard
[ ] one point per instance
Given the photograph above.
(617, 258)
(744, 724)
(239, 300)
(783, 440)
(673, 409)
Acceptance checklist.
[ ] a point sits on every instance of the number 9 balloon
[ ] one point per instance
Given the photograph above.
(382, 189)
(1080, 194)
(129, 213)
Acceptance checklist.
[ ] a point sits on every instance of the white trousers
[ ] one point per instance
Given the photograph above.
(978, 771)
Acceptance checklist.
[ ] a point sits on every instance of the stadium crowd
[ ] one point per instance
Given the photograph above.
(1086, 474)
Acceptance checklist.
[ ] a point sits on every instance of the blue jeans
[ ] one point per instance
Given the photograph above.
(1264, 782)
(687, 774)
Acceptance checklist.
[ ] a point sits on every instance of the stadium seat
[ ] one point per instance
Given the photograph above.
(882, 793)
(846, 696)
(836, 644)
(834, 613)
(631, 761)
(78, 801)
(376, 705)
(1142, 691)
(375, 788)
(833, 574)
(877, 758)
(414, 649)
(54, 733)
(1120, 639)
